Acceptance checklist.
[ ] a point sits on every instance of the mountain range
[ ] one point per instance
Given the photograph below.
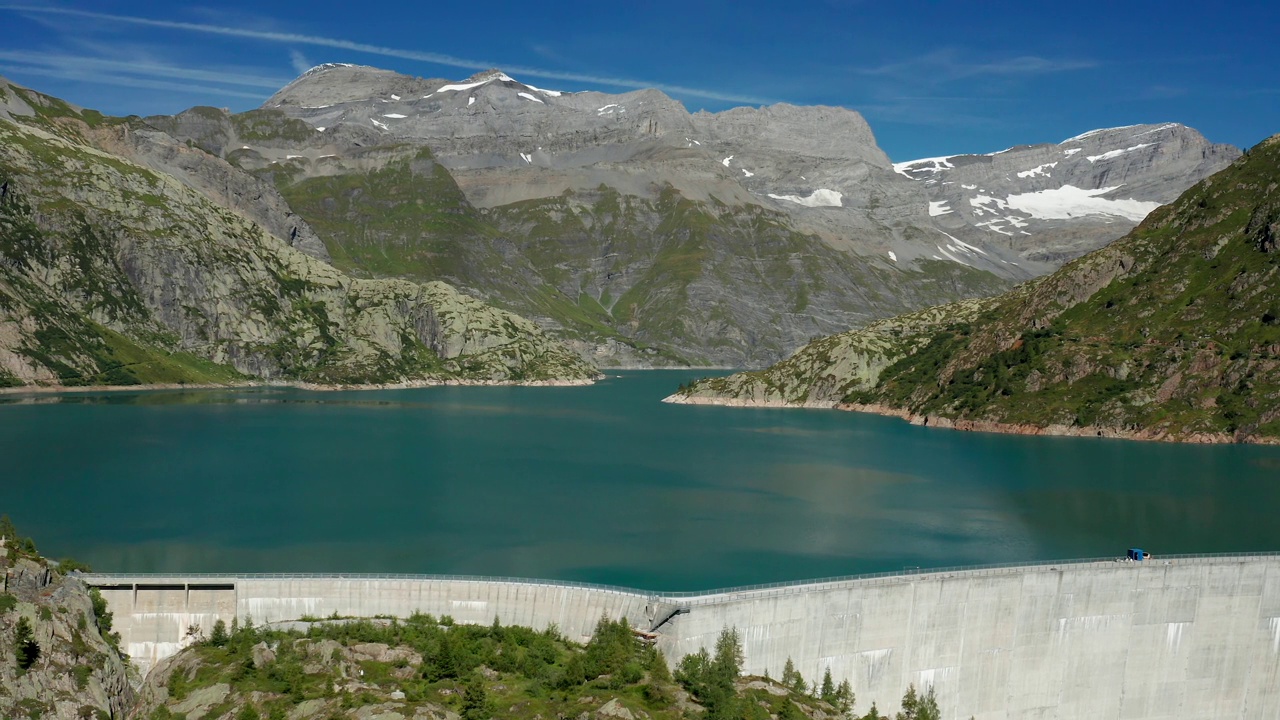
(640, 232)
(629, 231)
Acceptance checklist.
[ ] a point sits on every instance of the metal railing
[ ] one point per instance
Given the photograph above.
(786, 587)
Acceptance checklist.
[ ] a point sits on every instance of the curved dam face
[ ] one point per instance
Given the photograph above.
(1167, 638)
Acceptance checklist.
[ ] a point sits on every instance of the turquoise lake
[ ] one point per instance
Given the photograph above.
(599, 484)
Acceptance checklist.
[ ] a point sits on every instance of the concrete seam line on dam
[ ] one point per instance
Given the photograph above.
(1069, 639)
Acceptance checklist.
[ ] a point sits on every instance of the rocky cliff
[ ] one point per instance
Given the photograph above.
(1172, 332)
(113, 271)
(58, 658)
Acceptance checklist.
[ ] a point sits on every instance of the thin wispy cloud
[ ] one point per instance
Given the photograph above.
(102, 67)
(300, 62)
(945, 65)
(81, 75)
(427, 57)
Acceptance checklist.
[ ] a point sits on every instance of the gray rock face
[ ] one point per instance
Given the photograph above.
(76, 667)
(218, 180)
(126, 266)
(507, 142)
(1052, 203)
(864, 238)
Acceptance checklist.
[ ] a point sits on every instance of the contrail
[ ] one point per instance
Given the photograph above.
(435, 58)
(125, 81)
(80, 63)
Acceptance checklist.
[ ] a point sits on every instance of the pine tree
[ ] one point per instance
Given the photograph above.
(919, 707)
(475, 701)
(25, 647)
(844, 698)
(828, 691)
(219, 637)
(792, 679)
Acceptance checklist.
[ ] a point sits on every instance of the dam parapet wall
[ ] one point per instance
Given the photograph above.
(1179, 637)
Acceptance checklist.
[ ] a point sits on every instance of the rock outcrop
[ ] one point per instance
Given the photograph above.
(70, 668)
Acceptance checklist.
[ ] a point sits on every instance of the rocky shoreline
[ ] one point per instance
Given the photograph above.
(678, 399)
(406, 385)
(989, 426)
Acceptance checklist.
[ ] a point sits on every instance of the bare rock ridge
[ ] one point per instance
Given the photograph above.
(1170, 333)
(1054, 202)
(638, 232)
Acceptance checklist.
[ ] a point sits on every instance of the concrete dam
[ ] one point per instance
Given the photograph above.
(1174, 637)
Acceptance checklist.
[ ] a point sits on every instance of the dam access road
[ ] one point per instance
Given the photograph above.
(1178, 637)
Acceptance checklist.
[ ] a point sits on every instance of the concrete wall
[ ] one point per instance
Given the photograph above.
(1188, 639)
(153, 613)
(1185, 638)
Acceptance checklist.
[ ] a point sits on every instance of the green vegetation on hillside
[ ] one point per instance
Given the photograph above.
(408, 219)
(1171, 332)
(111, 273)
(427, 665)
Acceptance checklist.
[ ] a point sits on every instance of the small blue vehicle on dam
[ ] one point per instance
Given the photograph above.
(1138, 554)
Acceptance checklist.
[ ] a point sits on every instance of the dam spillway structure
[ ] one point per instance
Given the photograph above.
(1173, 637)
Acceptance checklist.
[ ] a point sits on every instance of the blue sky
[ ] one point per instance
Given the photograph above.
(932, 78)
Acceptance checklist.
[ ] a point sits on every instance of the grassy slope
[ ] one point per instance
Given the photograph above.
(428, 667)
(607, 266)
(1173, 331)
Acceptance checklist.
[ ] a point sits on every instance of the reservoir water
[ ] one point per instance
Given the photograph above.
(600, 484)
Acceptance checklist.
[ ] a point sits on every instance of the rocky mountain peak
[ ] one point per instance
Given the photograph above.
(490, 74)
(336, 83)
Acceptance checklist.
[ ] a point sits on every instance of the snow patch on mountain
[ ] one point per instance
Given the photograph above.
(1166, 126)
(527, 96)
(1038, 170)
(1070, 201)
(1091, 133)
(1116, 153)
(963, 245)
(940, 207)
(929, 165)
(548, 93)
(395, 116)
(458, 87)
(821, 197)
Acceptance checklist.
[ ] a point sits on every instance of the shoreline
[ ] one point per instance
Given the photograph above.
(987, 426)
(678, 399)
(291, 384)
